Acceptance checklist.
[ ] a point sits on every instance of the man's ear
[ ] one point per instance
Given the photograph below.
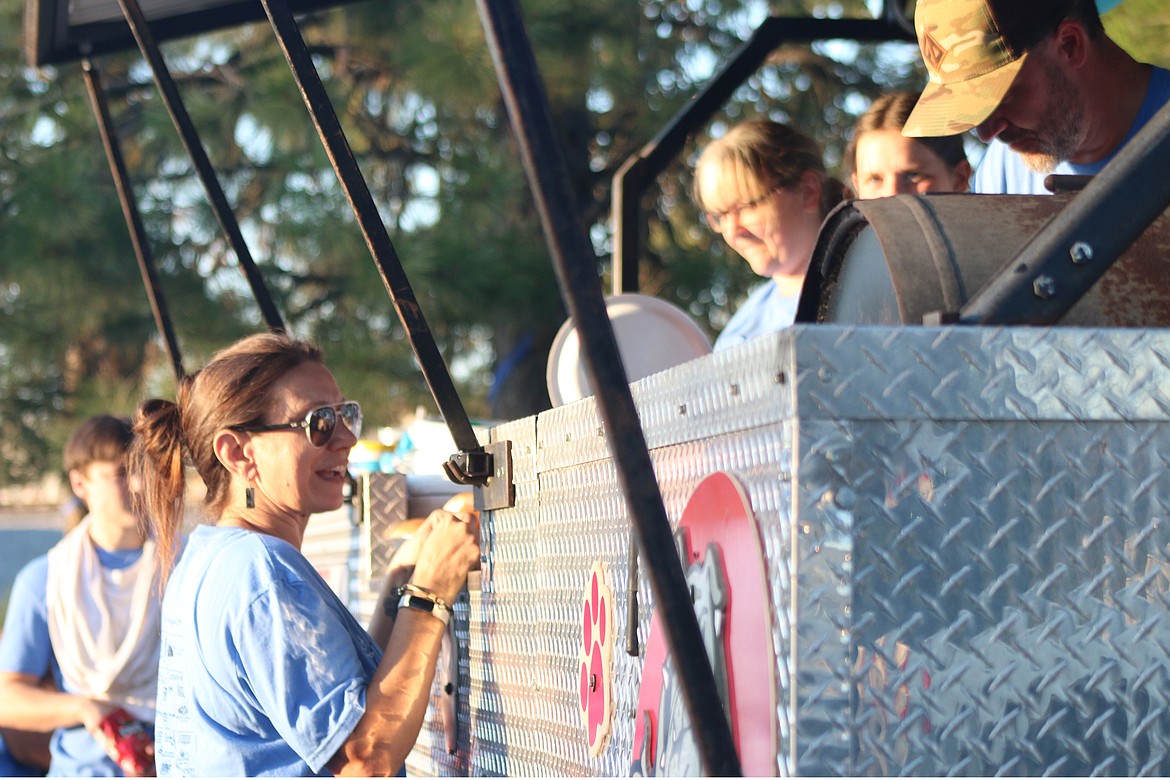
(1071, 41)
(234, 451)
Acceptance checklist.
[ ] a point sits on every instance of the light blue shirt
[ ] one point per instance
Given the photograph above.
(26, 648)
(764, 311)
(1003, 172)
(263, 670)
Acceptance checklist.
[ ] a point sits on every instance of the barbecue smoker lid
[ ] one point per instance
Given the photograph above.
(895, 260)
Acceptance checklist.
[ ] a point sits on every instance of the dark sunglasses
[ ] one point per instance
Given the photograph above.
(320, 423)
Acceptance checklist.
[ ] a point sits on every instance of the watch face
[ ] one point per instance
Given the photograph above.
(412, 601)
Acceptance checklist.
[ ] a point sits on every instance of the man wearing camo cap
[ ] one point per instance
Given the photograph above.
(1039, 79)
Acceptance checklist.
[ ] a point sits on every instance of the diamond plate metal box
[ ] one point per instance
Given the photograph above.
(966, 545)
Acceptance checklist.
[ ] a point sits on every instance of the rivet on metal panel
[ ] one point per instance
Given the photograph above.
(845, 499)
(682, 409)
(734, 389)
(825, 375)
(1044, 286)
(1081, 252)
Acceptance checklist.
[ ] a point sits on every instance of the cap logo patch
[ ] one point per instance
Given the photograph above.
(932, 52)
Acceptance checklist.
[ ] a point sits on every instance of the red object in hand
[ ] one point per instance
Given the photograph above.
(128, 743)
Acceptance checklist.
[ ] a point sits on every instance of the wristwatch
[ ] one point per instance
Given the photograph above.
(430, 606)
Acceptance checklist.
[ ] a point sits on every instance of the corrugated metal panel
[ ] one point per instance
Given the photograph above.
(966, 544)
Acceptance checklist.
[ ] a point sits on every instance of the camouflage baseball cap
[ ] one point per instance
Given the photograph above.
(973, 50)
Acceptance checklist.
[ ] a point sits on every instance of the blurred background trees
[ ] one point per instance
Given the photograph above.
(415, 90)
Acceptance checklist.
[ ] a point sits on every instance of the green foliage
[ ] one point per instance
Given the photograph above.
(1141, 27)
(415, 90)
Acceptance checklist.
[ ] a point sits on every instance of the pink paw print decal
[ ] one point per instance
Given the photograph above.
(596, 660)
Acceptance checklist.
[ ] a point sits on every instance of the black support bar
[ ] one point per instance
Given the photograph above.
(527, 103)
(138, 238)
(1068, 255)
(378, 240)
(190, 138)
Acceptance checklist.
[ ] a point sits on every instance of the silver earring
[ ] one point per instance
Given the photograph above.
(250, 498)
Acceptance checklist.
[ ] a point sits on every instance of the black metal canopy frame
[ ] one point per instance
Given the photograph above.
(641, 168)
(182, 121)
(146, 265)
(577, 271)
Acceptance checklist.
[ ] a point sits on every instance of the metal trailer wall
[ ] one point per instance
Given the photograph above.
(966, 543)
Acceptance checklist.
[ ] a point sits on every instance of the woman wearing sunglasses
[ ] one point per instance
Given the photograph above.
(763, 187)
(263, 670)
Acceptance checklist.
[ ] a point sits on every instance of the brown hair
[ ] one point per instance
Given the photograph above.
(103, 438)
(760, 155)
(1024, 23)
(889, 112)
(232, 390)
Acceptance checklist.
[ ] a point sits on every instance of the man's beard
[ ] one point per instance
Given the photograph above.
(1062, 121)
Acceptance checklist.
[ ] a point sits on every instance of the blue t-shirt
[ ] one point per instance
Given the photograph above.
(1003, 172)
(26, 648)
(764, 311)
(263, 670)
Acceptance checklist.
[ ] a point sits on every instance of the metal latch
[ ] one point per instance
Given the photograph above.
(489, 469)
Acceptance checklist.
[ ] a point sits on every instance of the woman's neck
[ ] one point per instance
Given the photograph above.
(281, 527)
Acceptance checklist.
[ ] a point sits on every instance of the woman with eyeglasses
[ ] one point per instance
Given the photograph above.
(763, 187)
(263, 670)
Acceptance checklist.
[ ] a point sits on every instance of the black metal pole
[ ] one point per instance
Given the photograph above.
(158, 303)
(1068, 255)
(182, 121)
(632, 178)
(576, 267)
(370, 221)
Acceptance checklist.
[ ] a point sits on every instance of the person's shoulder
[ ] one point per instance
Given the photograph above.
(236, 552)
(33, 574)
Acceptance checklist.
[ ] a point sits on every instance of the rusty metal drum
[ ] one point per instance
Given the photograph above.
(896, 260)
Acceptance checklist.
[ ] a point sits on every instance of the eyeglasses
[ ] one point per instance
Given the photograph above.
(319, 424)
(715, 219)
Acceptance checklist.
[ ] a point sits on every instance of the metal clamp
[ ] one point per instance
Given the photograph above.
(469, 467)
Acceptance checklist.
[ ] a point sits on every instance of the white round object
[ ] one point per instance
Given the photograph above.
(652, 335)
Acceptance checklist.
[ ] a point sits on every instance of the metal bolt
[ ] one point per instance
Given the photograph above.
(1081, 253)
(845, 499)
(1044, 286)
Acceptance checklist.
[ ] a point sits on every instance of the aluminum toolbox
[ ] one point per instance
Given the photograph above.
(965, 543)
